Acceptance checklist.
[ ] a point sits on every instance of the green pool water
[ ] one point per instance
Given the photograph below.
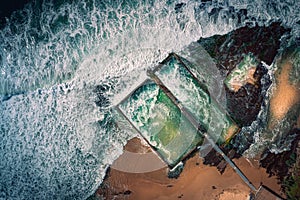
(160, 122)
(195, 97)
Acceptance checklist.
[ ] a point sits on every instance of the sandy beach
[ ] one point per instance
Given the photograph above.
(285, 94)
(197, 181)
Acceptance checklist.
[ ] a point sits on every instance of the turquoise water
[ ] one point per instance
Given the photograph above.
(56, 143)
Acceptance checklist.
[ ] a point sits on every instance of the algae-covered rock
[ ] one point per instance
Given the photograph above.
(243, 73)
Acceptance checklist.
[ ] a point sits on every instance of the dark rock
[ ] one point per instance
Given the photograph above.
(127, 192)
(231, 154)
(212, 158)
(222, 166)
(278, 164)
(245, 104)
(179, 7)
(228, 50)
(102, 100)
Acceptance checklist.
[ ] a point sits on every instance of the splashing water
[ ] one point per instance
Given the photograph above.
(55, 142)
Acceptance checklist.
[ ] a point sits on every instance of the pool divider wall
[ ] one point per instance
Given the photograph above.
(189, 66)
(197, 125)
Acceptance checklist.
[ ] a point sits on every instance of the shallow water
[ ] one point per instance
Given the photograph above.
(55, 141)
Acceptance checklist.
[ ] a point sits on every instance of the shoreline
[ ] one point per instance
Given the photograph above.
(199, 180)
(196, 180)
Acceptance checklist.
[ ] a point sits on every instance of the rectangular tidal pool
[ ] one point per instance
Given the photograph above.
(160, 122)
(172, 110)
(177, 77)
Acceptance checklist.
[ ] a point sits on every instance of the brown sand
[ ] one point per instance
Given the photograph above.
(258, 175)
(138, 158)
(197, 181)
(285, 94)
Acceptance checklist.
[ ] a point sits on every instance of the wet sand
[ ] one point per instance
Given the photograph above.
(285, 95)
(197, 181)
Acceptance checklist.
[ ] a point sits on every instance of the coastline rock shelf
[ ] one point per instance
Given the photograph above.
(237, 51)
(173, 111)
(249, 103)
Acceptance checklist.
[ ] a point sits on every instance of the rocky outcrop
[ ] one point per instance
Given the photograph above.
(244, 101)
(229, 50)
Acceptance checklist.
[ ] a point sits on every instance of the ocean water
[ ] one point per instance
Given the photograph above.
(61, 63)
